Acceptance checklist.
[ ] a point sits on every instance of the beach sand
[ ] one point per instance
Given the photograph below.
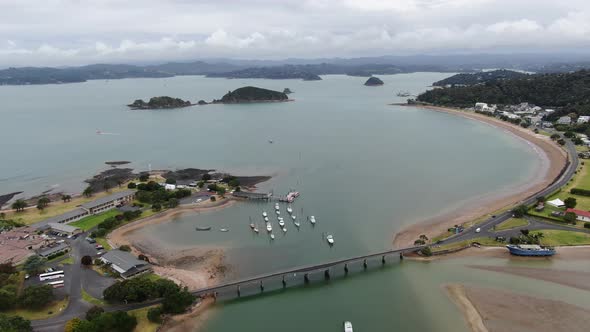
(554, 159)
(497, 310)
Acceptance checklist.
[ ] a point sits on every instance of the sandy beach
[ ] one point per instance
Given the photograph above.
(497, 310)
(553, 158)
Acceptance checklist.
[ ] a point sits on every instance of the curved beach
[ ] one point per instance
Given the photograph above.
(553, 159)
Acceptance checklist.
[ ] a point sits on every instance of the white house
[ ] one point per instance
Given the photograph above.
(556, 202)
(169, 186)
(480, 106)
(566, 120)
(583, 119)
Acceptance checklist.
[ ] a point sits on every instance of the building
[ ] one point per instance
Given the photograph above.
(583, 119)
(19, 243)
(108, 202)
(64, 228)
(580, 215)
(169, 186)
(68, 217)
(52, 250)
(565, 120)
(125, 263)
(556, 202)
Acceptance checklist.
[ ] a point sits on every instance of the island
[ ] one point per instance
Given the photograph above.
(287, 91)
(374, 81)
(159, 103)
(251, 94)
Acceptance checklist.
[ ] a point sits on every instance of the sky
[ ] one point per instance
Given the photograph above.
(76, 32)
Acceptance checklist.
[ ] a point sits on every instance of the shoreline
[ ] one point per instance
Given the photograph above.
(553, 156)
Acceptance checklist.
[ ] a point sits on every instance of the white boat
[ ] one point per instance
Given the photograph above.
(224, 230)
(312, 220)
(281, 223)
(284, 229)
(278, 213)
(330, 239)
(277, 206)
(264, 214)
(293, 217)
(269, 228)
(347, 326)
(252, 225)
(297, 224)
(266, 219)
(272, 236)
(255, 229)
(289, 209)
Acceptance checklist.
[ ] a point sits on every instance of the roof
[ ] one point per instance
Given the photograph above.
(48, 251)
(530, 246)
(108, 199)
(123, 260)
(62, 227)
(66, 216)
(556, 202)
(579, 212)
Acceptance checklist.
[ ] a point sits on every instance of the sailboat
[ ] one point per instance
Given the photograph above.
(312, 220)
(290, 210)
(330, 239)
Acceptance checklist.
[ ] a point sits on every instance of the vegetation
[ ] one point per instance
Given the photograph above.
(564, 238)
(511, 223)
(569, 217)
(144, 320)
(125, 248)
(374, 81)
(274, 72)
(113, 222)
(86, 260)
(251, 94)
(92, 221)
(580, 192)
(88, 191)
(118, 321)
(570, 202)
(527, 237)
(14, 324)
(36, 297)
(33, 264)
(19, 205)
(92, 300)
(43, 202)
(567, 92)
(160, 103)
(480, 77)
(520, 211)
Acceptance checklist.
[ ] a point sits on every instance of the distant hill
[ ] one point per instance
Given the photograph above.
(282, 72)
(252, 94)
(479, 77)
(569, 92)
(160, 103)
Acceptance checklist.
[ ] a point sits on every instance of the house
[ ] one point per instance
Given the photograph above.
(64, 228)
(18, 243)
(580, 215)
(125, 263)
(583, 119)
(108, 202)
(480, 106)
(565, 120)
(169, 186)
(68, 217)
(547, 124)
(510, 115)
(557, 203)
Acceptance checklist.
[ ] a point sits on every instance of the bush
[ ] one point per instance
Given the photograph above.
(587, 225)
(132, 185)
(570, 202)
(36, 297)
(520, 211)
(86, 260)
(212, 198)
(426, 251)
(156, 207)
(155, 315)
(177, 302)
(144, 177)
(14, 324)
(570, 217)
(579, 191)
(170, 181)
(94, 312)
(125, 248)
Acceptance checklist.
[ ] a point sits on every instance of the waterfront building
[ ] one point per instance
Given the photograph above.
(108, 202)
(125, 263)
(60, 247)
(64, 228)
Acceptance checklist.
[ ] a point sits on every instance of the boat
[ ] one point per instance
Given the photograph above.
(252, 225)
(281, 223)
(530, 250)
(330, 239)
(284, 229)
(347, 326)
(294, 217)
(277, 206)
(278, 213)
(269, 228)
(203, 228)
(297, 224)
(224, 230)
(264, 214)
(255, 229)
(266, 219)
(312, 220)
(290, 210)
(272, 236)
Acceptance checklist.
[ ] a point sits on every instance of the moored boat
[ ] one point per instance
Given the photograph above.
(289, 209)
(284, 229)
(269, 228)
(330, 239)
(312, 219)
(530, 250)
(264, 214)
(203, 228)
(297, 224)
(347, 326)
(224, 230)
(272, 236)
(281, 223)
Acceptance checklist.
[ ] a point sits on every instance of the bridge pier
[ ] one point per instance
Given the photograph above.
(365, 263)
(261, 287)
(327, 274)
(383, 260)
(284, 282)
(239, 292)
(306, 278)
(401, 256)
(346, 268)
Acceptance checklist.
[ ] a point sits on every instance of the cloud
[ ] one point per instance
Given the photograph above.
(68, 32)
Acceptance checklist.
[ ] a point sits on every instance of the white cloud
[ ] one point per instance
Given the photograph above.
(66, 32)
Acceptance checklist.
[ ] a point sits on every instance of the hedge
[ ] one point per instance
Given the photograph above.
(581, 192)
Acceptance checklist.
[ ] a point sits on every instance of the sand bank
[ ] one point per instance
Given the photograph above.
(553, 160)
(500, 310)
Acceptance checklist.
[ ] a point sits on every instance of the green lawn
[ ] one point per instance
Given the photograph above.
(69, 260)
(511, 223)
(91, 221)
(484, 241)
(53, 309)
(151, 276)
(143, 324)
(103, 242)
(563, 238)
(90, 299)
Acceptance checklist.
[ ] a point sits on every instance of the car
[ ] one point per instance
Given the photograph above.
(90, 240)
(199, 200)
(27, 276)
(99, 247)
(477, 230)
(100, 253)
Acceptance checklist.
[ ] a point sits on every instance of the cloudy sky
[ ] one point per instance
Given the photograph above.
(71, 32)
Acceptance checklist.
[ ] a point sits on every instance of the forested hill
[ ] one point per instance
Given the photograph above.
(480, 77)
(567, 92)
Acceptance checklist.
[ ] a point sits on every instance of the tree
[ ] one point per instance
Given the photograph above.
(66, 198)
(19, 205)
(155, 315)
(541, 199)
(2, 216)
(520, 211)
(86, 260)
(426, 251)
(72, 324)
(423, 237)
(555, 137)
(42, 203)
(33, 264)
(106, 186)
(570, 202)
(156, 207)
(14, 324)
(221, 191)
(94, 312)
(172, 203)
(233, 183)
(7, 297)
(238, 189)
(561, 141)
(206, 177)
(7, 268)
(88, 191)
(132, 185)
(524, 232)
(177, 302)
(171, 181)
(570, 217)
(125, 248)
(201, 184)
(212, 198)
(419, 242)
(587, 225)
(36, 297)
(569, 134)
(143, 177)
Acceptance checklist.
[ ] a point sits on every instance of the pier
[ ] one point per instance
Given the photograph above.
(252, 195)
(302, 275)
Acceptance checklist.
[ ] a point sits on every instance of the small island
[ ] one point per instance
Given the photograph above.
(159, 103)
(374, 81)
(251, 94)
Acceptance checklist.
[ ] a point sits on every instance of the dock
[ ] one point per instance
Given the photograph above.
(252, 195)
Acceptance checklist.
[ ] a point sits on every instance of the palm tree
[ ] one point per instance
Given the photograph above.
(19, 205)
(88, 191)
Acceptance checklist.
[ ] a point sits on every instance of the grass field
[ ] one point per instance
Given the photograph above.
(102, 241)
(33, 215)
(90, 299)
(563, 238)
(484, 241)
(143, 324)
(91, 221)
(53, 309)
(511, 223)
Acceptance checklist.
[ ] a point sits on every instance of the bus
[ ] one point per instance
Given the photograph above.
(56, 284)
(51, 275)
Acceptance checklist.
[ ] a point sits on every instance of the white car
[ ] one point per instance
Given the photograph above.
(477, 230)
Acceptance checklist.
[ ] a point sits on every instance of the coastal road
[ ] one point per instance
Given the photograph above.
(490, 223)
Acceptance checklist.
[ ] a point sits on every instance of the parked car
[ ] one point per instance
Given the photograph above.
(27, 276)
(90, 240)
(477, 230)
(99, 247)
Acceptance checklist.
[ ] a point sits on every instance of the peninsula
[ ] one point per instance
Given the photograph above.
(159, 103)
(374, 81)
(251, 94)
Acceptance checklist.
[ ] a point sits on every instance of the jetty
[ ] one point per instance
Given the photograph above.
(252, 195)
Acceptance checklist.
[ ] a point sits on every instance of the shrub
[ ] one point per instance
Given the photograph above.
(36, 297)
(144, 177)
(579, 191)
(125, 248)
(86, 260)
(14, 323)
(426, 251)
(132, 185)
(155, 315)
(212, 198)
(94, 312)
(570, 217)
(570, 202)
(587, 225)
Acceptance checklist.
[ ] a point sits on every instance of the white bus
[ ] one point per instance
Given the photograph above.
(51, 275)
(56, 284)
